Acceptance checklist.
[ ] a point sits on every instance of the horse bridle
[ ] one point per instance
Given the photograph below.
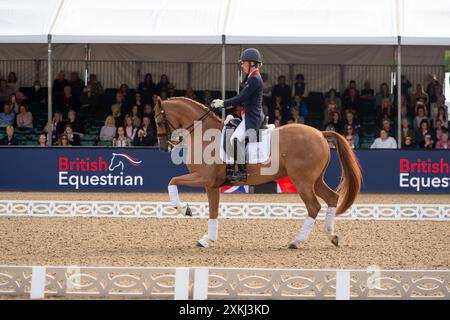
(169, 127)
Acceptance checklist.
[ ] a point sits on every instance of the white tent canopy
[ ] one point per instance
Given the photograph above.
(425, 24)
(328, 22)
(140, 21)
(27, 21)
(312, 22)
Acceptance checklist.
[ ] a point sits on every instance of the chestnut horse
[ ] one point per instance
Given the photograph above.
(303, 155)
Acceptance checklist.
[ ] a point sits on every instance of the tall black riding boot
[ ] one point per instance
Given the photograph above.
(241, 174)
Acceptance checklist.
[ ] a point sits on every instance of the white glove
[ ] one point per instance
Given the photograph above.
(216, 104)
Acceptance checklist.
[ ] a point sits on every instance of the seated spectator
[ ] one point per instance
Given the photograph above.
(406, 85)
(332, 96)
(278, 116)
(404, 108)
(207, 98)
(422, 131)
(296, 117)
(89, 100)
(24, 118)
(149, 138)
(118, 107)
(386, 125)
(351, 85)
(350, 120)
(164, 95)
(277, 123)
(420, 116)
(433, 88)
(162, 84)
(282, 90)
(408, 143)
(336, 122)
(73, 139)
(130, 129)
(136, 116)
(442, 115)
(42, 140)
(77, 125)
(385, 109)
(38, 95)
(300, 104)
(352, 102)
(290, 120)
(14, 104)
(443, 143)
(191, 94)
(434, 107)
(407, 131)
(127, 99)
(330, 127)
(328, 112)
(96, 86)
(147, 87)
(12, 82)
(56, 127)
(67, 101)
(8, 116)
(63, 141)
(5, 91)
(108, 131)
(121, 140)
(427, 142)
(77, 86)
(438, 129)
(299, 86)
(384, 141)
(278, 105)
(351, 137)
(150, 113)
(367, 93)
(138, 101)
(9, 139)
(60, 83)
(420, 94)
(383, 94)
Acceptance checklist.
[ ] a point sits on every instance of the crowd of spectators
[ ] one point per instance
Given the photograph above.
(129, 120)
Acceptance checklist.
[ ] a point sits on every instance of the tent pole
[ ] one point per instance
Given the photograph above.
(49, 91)
(223, 73)
(399, 94)
(87, 59)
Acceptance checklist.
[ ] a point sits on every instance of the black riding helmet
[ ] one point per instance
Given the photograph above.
(251, 54)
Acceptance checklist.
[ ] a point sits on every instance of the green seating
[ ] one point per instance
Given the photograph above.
(104, 143)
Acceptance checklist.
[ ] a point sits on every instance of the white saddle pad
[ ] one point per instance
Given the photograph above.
(256, 152)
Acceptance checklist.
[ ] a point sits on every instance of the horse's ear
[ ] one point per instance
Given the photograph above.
(158, 102)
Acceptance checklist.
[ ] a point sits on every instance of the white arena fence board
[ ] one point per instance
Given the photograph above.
(228, 283)
(233, 210)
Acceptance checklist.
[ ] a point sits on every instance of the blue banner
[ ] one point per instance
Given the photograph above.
(149, 170)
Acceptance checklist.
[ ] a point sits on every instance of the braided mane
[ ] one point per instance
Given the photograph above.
(198, 104)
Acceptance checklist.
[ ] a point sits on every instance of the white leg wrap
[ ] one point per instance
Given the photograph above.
(173, 195)
(329, 221)
(212, 229)
(307, 226)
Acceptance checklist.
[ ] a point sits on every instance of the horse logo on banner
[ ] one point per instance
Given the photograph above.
(116, 161)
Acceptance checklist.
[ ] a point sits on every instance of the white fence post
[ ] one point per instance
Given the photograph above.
(343, 285)
(37, 283)
(181, 283)
(201, 284)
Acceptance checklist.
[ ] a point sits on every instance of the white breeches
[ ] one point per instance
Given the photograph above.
(239, 134)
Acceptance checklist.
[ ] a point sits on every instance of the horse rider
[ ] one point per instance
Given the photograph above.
(250, 97)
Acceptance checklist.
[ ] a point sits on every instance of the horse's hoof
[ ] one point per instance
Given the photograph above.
(293, 245)
(335, 241)
(188, 211)
(204, 242)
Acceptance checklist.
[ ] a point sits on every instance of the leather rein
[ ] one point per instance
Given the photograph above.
(169, 127)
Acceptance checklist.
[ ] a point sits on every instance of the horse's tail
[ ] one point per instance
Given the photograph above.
(351, 178)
